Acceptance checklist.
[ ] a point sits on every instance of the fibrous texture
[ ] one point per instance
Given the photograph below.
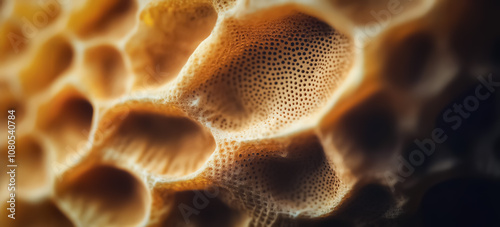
(251, 112)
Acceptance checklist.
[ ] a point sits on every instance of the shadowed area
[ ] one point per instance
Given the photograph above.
(105, 195)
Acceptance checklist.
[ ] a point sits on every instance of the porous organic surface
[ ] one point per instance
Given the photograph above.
(252, 112)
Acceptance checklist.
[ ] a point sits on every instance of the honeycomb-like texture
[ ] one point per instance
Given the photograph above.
(275, 73)
(251, 112)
